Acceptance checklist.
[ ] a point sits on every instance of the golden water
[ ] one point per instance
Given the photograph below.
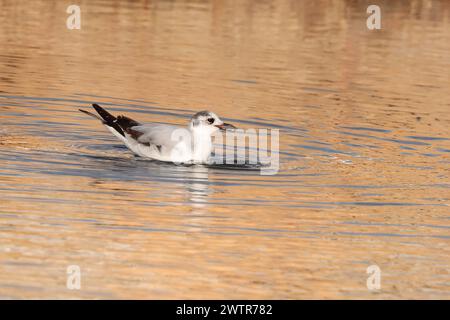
(364, 140)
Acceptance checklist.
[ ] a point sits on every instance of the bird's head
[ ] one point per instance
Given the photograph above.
(208, 122)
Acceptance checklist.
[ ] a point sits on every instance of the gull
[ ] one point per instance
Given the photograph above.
(165, 142)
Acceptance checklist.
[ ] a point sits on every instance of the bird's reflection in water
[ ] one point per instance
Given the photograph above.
(192, 180)
(197, 186)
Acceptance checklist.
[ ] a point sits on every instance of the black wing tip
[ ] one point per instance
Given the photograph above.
(121, 124)
(99, 109)
(108, 119)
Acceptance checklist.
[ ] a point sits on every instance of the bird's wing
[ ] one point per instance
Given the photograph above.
(161, 135)
(161, 138)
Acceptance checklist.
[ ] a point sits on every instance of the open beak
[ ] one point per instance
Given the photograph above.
(224, 126)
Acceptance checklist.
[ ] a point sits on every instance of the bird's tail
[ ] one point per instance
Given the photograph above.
(105, 117)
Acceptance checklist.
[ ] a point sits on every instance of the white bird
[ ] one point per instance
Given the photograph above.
(165, 142)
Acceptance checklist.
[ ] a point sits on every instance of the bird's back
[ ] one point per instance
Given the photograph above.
(159, 141)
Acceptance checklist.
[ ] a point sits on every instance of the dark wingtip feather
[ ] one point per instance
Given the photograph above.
(121, 124)
(108, 118)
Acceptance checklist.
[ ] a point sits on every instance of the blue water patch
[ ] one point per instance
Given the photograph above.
(378, 224)
(318, 142)
(430, 154)
(359, 145)
(417, 167)
(244, 81)
(426, 138)
(367, 129)
(417, 143)
(319, 90)
(390, 235)
(311, 106)
(379, 204)
(323, 149)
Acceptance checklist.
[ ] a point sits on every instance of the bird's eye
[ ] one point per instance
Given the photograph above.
(211, 120)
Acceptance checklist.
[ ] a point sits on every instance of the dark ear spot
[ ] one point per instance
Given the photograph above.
(196, 122)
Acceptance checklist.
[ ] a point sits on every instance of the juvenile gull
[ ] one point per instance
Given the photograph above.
(165, 142)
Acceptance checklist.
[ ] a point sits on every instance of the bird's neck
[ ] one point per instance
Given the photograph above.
(202, 146)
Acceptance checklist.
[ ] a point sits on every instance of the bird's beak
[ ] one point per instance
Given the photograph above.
(224, 126)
